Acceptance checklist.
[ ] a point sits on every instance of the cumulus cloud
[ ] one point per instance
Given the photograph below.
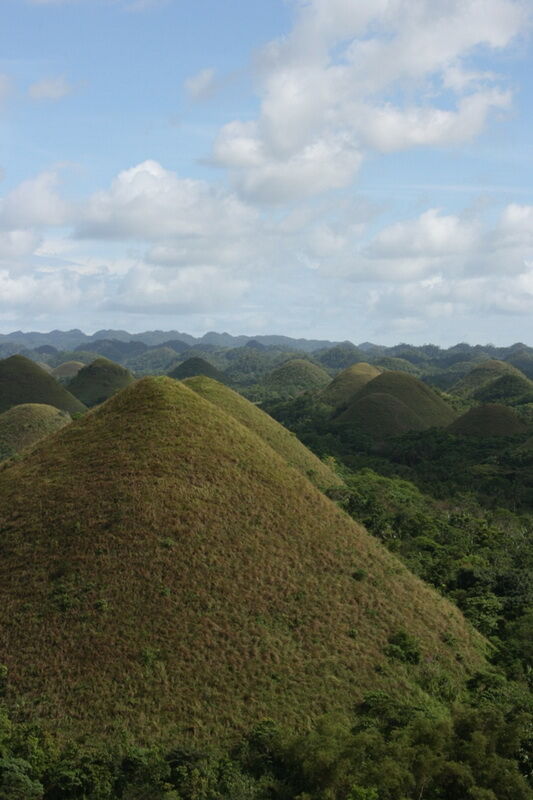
(33, 203)
(354, 77)
(50, 89)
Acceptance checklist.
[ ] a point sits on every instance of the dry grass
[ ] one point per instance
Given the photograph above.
(25, 425)
(196, 366)
(297, 375)
(23, 381)
(68, 369)
(164, 573)
(483, 375)
(347, 383)
(279, 438)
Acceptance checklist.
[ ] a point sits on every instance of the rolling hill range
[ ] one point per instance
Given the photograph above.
(98, 381)
(274, 434)
(23, 381)
(24, 425)
(395, 402)
(347, 383)
(165, 574)
(492, 419)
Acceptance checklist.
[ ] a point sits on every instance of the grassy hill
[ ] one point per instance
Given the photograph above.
(347, 383)
(508, 388)
(98, 381)
(412, 405)
(486, 373)
(492, 419)
(196, 366)
(279, 438)
(165, 574)
(295, 376)
(68, 369)
(23, 381)
(155, 361)
(24, 425)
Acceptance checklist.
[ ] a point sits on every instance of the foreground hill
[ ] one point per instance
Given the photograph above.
(98, 381)
(395, 402)
(274, 434)
(23, 381)
(347, 383)
(24, 425)
(296, 376)
(492, 419)
(209, 586)
(196, 366)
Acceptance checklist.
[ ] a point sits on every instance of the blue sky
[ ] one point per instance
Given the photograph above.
(329, 168)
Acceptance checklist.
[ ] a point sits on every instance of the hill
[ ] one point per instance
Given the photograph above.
(492, 419)
(24, 425)
(98, 381)
(508, 388)
(155, 361)
(381, 416)
(209, 586)
(67, 369)
(196, 366)
(23, 381)
(347, 383)
(421, 407)
(274, 434)
(482, 376)
(295, 376)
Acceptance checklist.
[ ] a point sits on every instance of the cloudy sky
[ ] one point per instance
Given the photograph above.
(357, 169)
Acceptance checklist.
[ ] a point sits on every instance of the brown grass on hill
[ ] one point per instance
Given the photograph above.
(347, 383)
(484, 374)
(279, 438)
(67, 369)
(164, 573)
(25, 425)
(23, 381)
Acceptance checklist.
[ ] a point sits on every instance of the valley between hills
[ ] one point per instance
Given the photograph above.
(260, 568)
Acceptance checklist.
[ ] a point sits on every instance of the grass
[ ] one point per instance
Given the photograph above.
(164, 573)
(488, 372)
(492, 419)
(98, 381)
(295, 376)
(196, 366)
(279, 438)
(23, 381)
(25, 425)
(395, 402)
(347, 383)
(67, 369)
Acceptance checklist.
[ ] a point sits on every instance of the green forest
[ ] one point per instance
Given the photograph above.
(265, 571)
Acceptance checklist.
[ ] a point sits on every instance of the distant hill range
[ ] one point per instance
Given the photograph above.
(70, 340)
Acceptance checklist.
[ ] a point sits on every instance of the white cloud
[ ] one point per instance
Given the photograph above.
(17, 244)
(34, 202)
(352, 77)
(201, 85)
(50, 88)
(152, 203)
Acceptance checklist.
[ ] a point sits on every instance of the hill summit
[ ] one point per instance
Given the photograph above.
(209, 586)
(24, 381)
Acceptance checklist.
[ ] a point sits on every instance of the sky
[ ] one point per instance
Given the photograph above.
(341, 169)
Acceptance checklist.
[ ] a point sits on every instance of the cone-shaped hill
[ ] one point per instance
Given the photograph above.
(208, 586)
(98, 381)
(24, 425)
(347, 383)
(274, 434)
(68, 369)
(196, 366)
(492, 419)
(296, 376)
(478, 382)
(404, 403)
(23, 381)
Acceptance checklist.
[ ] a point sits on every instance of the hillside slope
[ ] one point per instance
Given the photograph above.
(347, 383)
(196, 366)
(165, 573)
(295, 376)
(23, 381)
(279, 438)
(98, 381)
(24, 425)
(492, 419)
